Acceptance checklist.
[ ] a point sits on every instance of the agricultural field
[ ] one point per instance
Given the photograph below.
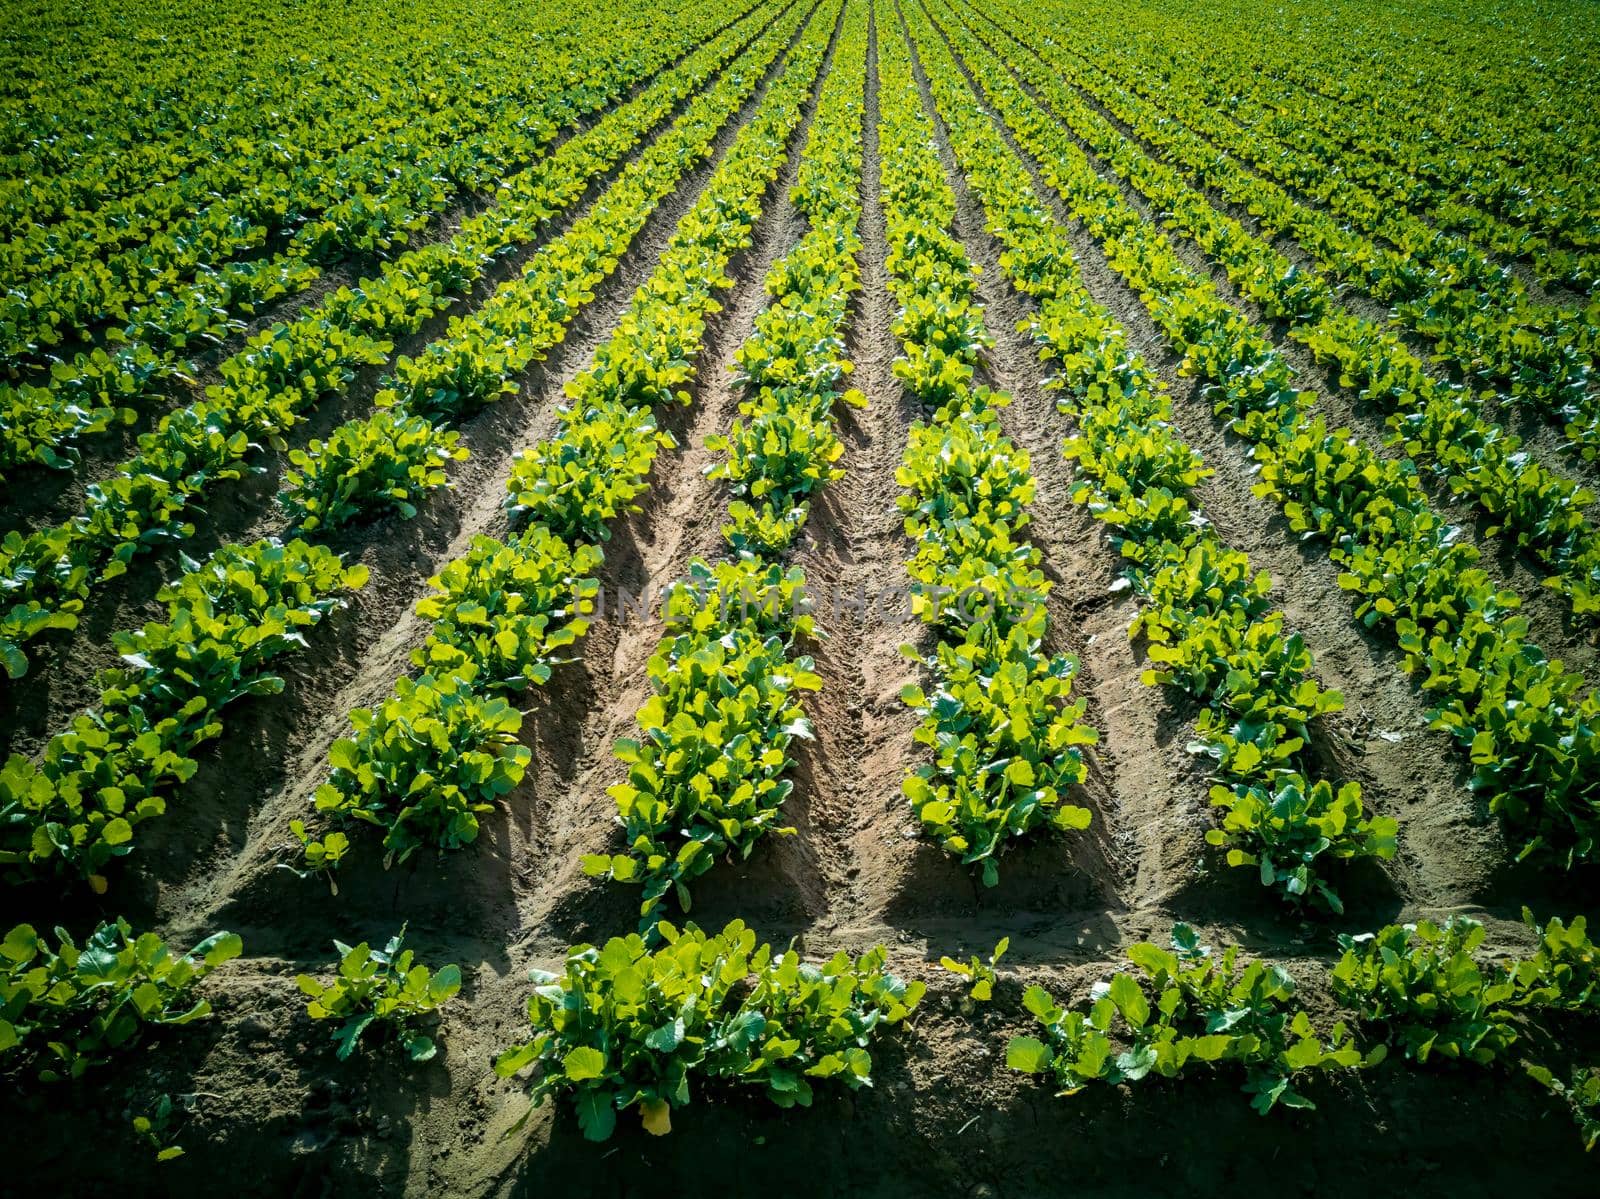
(857, 597)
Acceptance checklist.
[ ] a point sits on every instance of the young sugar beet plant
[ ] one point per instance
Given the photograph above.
(366, 467)
(1182, 1007)
(1526, 723)
(428, 761)
(1424, 986)
(625, 1027)
(1000, 717)
(1206, 617)
(707, 774)
(66, 1008)
(981, 973)
(382, 988)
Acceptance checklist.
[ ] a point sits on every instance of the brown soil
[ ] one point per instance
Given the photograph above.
(268, 1108)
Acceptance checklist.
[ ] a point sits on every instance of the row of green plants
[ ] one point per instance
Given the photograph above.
(628, 1027)
(284, 371)
(707, 772)
(1525, 723)
(77, 809)
(1206, 618)
(425, 763)
(1422, 992)
(1441, 427)
(66, 1008)
(998, 713)
(707, 775)
(634, 1025)
(187, 288)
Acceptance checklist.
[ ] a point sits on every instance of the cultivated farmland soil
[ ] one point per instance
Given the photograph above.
(266, 1108)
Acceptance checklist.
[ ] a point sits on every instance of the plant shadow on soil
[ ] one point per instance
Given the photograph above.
(261, 1101)
(944, 1120)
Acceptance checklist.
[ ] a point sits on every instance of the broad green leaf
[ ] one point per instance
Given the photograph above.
(1028, 1055)
(583, 1063)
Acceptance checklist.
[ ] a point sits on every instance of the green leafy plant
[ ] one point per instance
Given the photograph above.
(67, 1008)
(626, 1027)
(364, 467)
(425, 763)
(706, 776)
(156, 1129)
(1423, 984)
(79, 808)
(507, 609)
(1425, 988)
(1006, 738)
(319, 855)
(1563, 972)
(981, 972)
(382, 987)
(1185, 1006)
